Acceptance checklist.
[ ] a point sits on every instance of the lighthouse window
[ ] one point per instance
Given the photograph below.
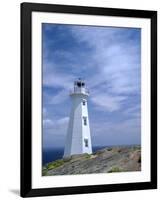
(86, 142)
(79, 84)
(85, 120)
(84, 102)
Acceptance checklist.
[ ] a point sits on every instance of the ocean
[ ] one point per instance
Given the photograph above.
(49, 155)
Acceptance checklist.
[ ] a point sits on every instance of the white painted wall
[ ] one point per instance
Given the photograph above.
(77, 132)
(9, 101)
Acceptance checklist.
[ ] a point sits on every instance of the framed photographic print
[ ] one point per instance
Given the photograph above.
(88, 99)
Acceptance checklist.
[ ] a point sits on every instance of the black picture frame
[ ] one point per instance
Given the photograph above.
(26, 103)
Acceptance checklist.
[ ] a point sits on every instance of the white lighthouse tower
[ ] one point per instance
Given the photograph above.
(78, 139)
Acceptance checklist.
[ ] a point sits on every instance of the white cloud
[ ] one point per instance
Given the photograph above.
(52, 78)
(124, 132)
(107, 102)
(133, 112)
(53, 125)
(59, 98)
(47, 123)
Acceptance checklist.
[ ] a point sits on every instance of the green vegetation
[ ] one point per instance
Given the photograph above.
(44, 172)
(54, 164)
(87, 155)
(115, 169)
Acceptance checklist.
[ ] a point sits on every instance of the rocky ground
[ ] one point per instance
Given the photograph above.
(107, 160)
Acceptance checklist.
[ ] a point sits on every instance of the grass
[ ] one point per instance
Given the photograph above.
(44, 172)
(55, 164)
(87, 156)
(115, 169)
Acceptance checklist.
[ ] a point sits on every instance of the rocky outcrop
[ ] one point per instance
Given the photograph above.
(107, 160)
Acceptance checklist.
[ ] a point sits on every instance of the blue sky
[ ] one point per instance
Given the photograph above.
(108, 59)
